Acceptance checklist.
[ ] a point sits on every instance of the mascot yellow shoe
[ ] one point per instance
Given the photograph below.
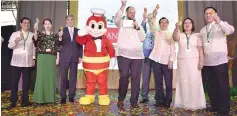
(87, 99)
(104, 100)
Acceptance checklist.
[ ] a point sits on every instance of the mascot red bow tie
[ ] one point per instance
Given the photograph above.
(96, 60)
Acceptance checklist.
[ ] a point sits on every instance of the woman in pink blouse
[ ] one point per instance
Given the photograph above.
(189, 89)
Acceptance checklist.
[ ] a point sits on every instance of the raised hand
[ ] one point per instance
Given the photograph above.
(60, 33)
(18, 39)
(216, 18)
(124, 2)
(61, 28)
(144, 16)
(37, 20)
(82, 32)
(145, 10)
(36, 24)
(176, 32)
(157, 6)
(177, 25)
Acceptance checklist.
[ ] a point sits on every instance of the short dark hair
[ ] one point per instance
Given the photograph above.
(193, 27)
(25, 18)
(129, 8)
(210, 8)
(162, 19)
(69, 15)
(47, 19)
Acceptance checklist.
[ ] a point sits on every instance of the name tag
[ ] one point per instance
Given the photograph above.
(206, 44)
(188, 50)
(48, 50)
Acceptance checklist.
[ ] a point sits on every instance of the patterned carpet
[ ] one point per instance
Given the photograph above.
(95, 110)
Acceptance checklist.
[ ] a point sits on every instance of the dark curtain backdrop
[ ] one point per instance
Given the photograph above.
(55, 10)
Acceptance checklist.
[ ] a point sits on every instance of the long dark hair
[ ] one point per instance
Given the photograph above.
(193, 27)
(47, 19)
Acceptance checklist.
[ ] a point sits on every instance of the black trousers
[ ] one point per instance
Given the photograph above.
(161, 72)
(218, 87)
(129, 67)
(26, 72)
(64, 66)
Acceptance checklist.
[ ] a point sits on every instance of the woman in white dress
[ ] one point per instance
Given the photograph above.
(189, 89)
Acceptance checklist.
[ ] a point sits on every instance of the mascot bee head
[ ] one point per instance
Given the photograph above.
(96, 25)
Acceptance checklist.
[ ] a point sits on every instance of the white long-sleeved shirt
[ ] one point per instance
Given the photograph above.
(164, 48)
(22, 57)
(129, 40)
(215, 48)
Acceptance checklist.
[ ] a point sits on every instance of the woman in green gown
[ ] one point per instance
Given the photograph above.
(47, 57)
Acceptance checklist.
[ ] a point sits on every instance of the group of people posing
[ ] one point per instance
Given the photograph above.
(52, 49)
(204, 52)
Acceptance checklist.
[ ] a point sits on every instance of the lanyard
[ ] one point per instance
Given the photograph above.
(24, 39)
(188, 37)
(208, 33)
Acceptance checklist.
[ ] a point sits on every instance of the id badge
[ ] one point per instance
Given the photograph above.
(206, 44)
(188, 50)
(48, 50)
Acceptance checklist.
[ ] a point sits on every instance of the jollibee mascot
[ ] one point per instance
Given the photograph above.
(98, 50)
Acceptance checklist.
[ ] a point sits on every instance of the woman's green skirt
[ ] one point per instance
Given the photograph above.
(45, 91)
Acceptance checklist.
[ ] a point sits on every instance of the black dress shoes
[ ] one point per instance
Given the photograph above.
(71, 100)
(63, 101)
(158, 104)
(25, 105)
(167, 105)
(120, 106)
(134, 106)
(11, 106)
(209, 109)
(144, 101)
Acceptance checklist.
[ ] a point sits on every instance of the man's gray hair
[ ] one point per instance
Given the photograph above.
(69, 15)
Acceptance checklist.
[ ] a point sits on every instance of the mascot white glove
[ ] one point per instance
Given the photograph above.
(113, 62)
(82, 32)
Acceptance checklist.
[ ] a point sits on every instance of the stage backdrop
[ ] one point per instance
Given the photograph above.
(81, 9)
(112, 6)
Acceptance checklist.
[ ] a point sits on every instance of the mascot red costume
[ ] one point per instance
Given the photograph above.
(98, 50)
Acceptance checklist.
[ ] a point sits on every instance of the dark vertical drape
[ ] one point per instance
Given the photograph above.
(55, 10)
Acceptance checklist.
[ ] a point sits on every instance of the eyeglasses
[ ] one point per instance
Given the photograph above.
(25, 23)
(208, 14)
